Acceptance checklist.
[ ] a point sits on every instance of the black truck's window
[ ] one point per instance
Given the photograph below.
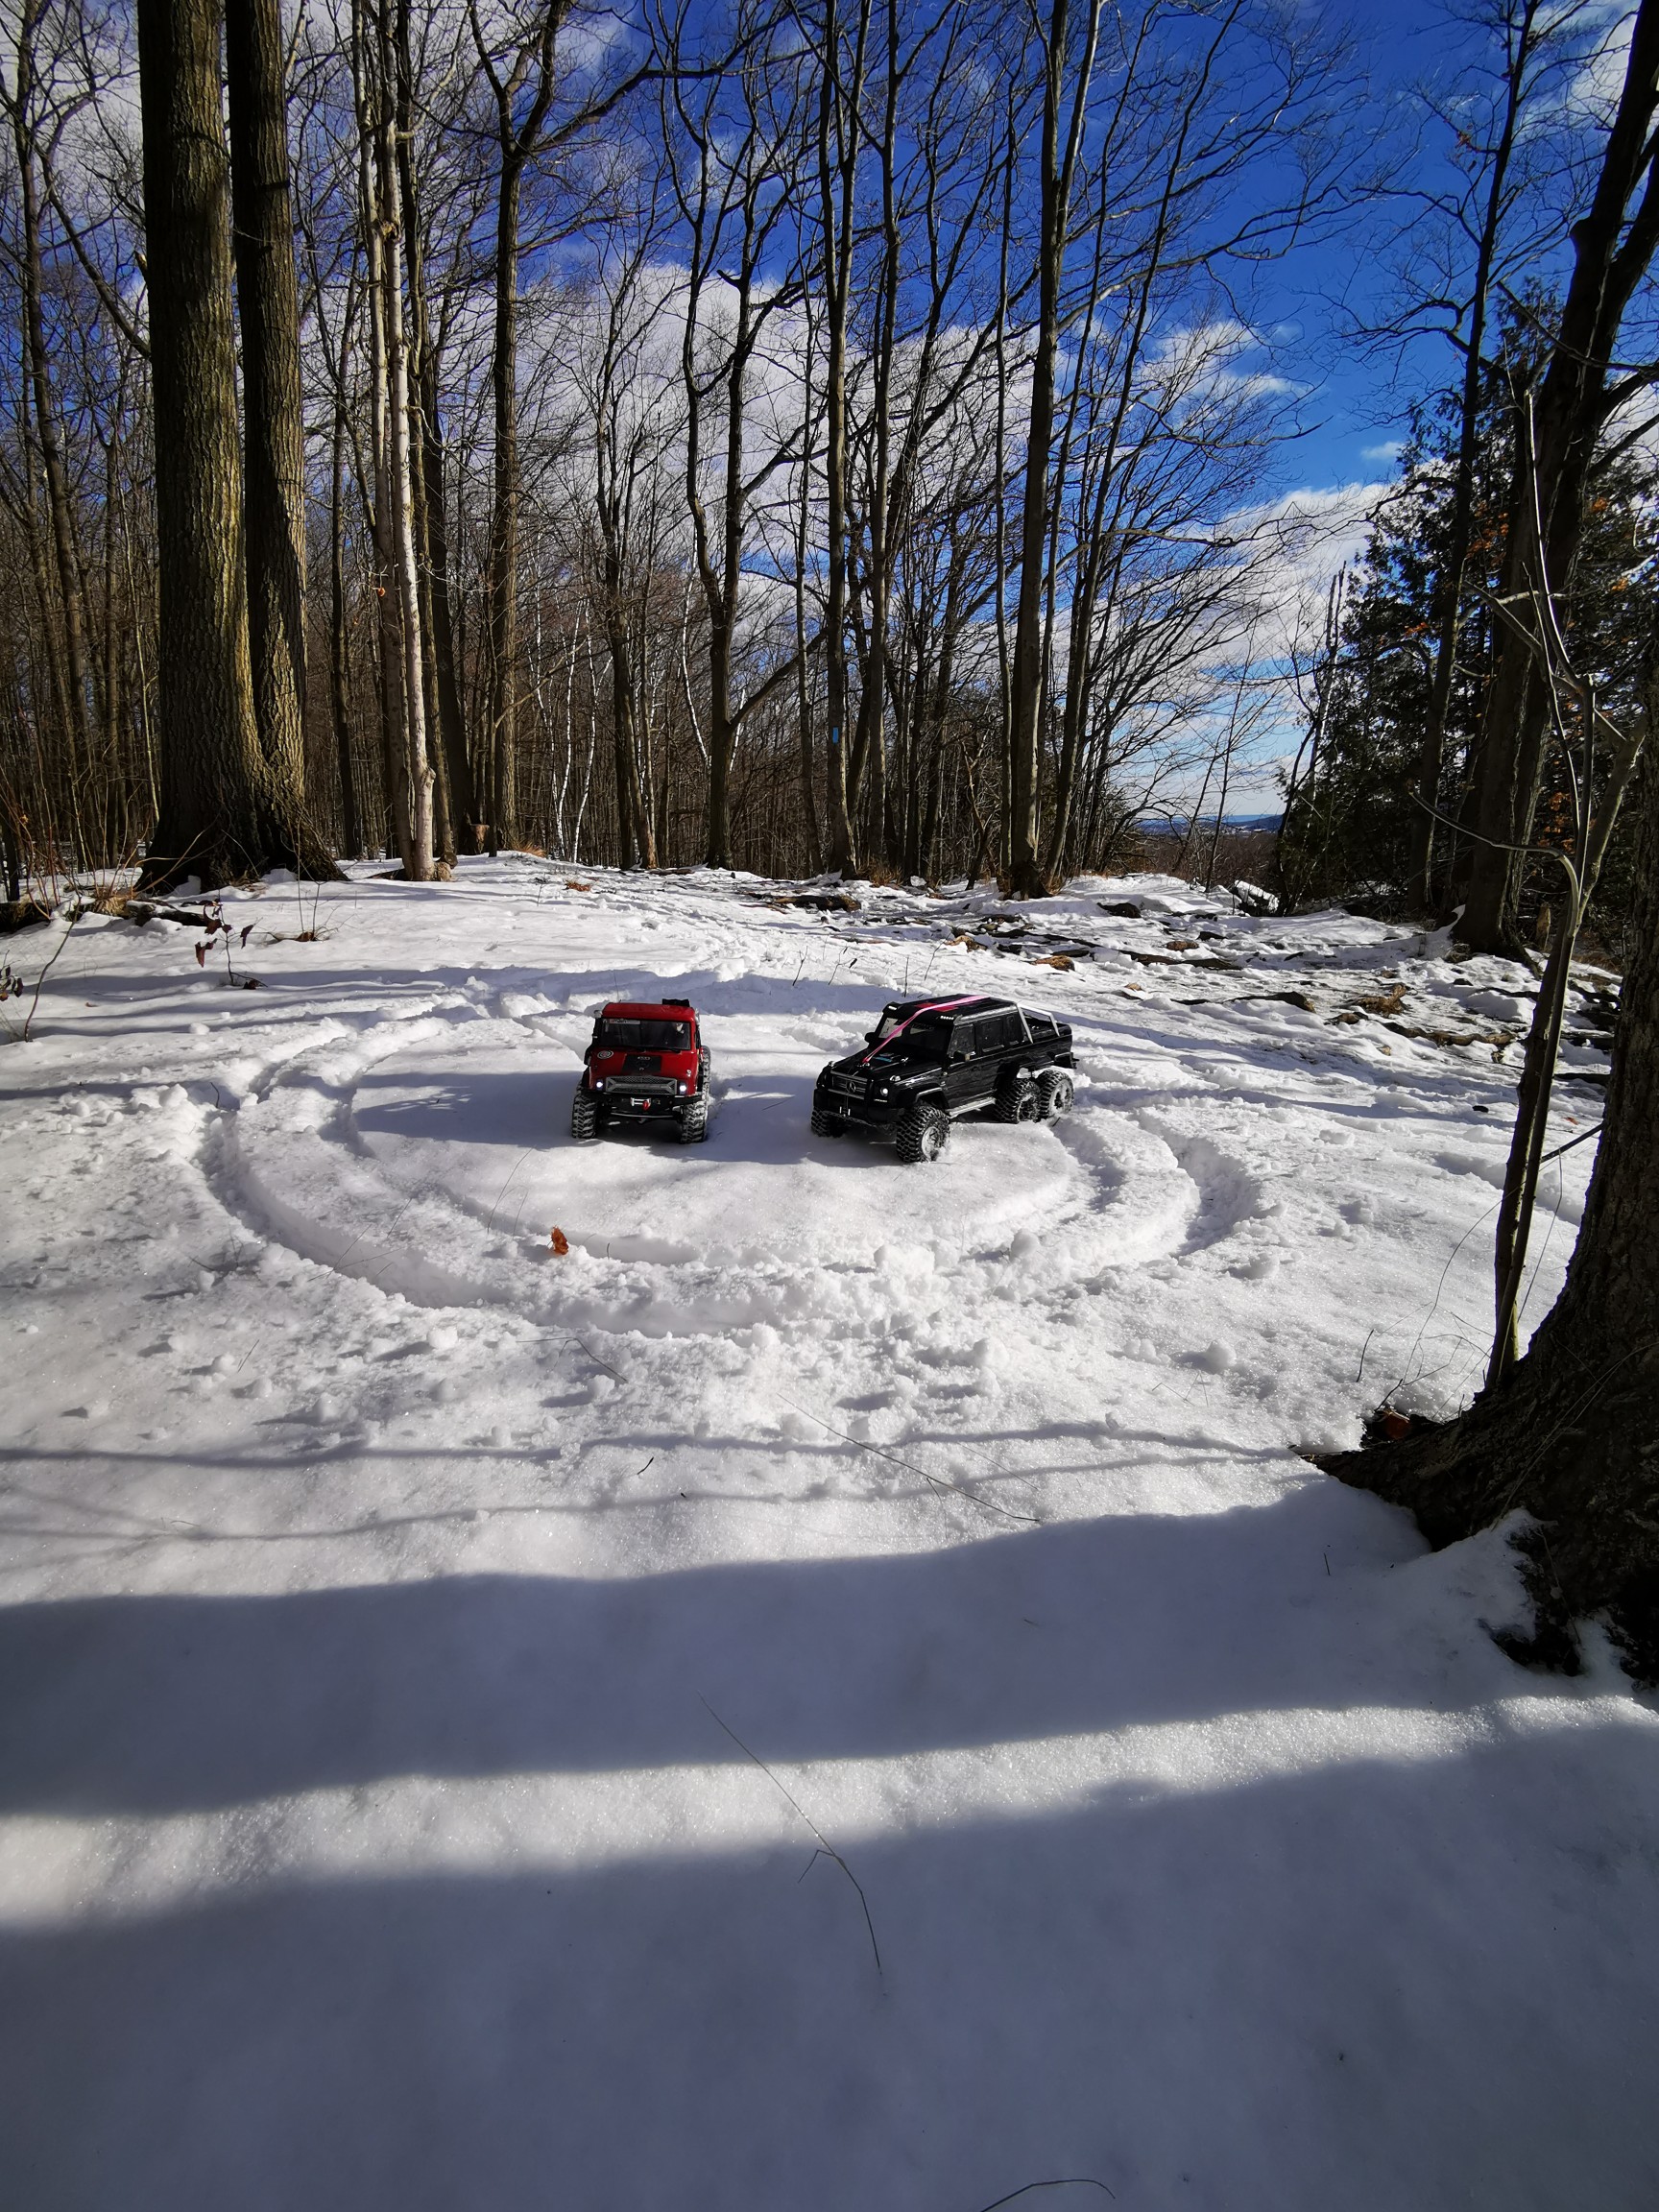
(620, 1034)
(923, 1037)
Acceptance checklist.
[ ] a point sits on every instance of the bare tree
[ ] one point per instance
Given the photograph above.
(225, 811)
(735, 142)
(1613, 244)
(1066, 80)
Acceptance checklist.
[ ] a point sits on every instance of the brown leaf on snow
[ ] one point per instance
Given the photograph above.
(560, 1244)
(1054, 960)
(572, 884)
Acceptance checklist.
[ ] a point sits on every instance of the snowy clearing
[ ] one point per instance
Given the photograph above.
(837, 1691)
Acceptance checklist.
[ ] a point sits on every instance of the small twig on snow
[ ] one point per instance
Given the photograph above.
(571, 1338)
(824, 1844)
(935, 1481)
(1064, 2181)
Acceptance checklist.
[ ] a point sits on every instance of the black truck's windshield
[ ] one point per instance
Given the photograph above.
(925, 1037)
(622, 1034)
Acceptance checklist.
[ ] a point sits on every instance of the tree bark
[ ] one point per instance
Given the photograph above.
(268, 306)
(369, 92)
(1570, 1433)
(417, 856)
(339, 663)
(221, 817)
(420, 374)
(451, 716)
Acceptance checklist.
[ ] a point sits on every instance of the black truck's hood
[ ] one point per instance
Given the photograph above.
(886, 1067)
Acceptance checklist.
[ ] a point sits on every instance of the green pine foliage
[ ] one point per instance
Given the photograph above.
(1351, 809)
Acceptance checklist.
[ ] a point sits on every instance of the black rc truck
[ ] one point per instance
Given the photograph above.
(929, 1060)
(647, 1063)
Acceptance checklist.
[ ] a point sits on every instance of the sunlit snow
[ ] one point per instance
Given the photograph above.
(839, 1691)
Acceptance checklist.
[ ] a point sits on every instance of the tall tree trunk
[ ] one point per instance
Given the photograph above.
(634, 839)
(1449, 592)
(220, 816)
(117, 809)
(1548, 499)
(522, 98)
(418, 857)
(67, 640)
(46, 637)
(870, 747)
(625, 766)
(268, 305)
(451, 715)
(839, 134)
(503, 582)
(1029, 629)
(803, 674)
(420, 445)
(369, 92)
(339, 662)
(74, 677)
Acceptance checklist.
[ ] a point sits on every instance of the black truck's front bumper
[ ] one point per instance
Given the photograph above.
(851, 1101)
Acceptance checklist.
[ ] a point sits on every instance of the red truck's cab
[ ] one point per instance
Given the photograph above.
(646, 1063)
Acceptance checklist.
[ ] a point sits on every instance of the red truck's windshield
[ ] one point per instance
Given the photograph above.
(621, 1033)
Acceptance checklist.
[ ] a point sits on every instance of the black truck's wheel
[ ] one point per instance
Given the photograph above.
(583, 1116)
(694, 1121)
(1016, 1099)
(1053, 1094)
(922, 1133)
(827, 1125)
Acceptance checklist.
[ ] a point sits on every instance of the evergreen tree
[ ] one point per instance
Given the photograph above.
(1351, 814)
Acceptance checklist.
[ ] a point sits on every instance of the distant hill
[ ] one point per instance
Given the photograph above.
(1177, 824)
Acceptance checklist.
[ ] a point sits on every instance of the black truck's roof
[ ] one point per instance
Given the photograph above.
(909, 1007)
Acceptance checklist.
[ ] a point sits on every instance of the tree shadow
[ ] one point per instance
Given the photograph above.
(1301, 1991)
(182, 1703)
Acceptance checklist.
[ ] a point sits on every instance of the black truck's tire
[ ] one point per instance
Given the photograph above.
(583, 1116)
(922, 1133)
(827, 1125)
(1017, 1098)
(1053, 1094)
(694, 1121)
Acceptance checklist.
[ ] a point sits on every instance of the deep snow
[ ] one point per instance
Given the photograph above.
(458, 1704)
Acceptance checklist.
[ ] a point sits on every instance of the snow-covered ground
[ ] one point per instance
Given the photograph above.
(838, 1693)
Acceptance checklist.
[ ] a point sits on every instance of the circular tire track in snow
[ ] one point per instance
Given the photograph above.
(434, 1158)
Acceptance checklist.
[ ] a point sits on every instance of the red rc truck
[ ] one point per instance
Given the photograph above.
(646, 1063)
